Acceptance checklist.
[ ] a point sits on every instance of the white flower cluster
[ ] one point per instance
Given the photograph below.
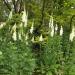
(24, 18)
(51, 26)
(72, 34)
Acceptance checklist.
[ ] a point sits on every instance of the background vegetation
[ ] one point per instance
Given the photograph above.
(37, 37)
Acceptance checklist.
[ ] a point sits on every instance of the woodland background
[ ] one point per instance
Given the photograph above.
(37, 37)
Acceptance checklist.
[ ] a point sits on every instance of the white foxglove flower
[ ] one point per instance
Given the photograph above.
(12, 6)
(21, 25)
(26, 42)
(72, 7)
(32, 28)
(24, 18)
(21, 28)
(61, 31)
(14, 36)
(41, 38)
(26, 38)
(72, 34)
(0, 52)
(15, 0)
(51, 26)
(52, 31)
(19, 36)
(14, 28)
(10, 15)
(56, 27)
(32, 39)
(9, 1)
(14, 33)
(51, 22)
(2, 25)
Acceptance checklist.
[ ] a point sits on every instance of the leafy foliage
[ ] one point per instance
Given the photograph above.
(27, 55)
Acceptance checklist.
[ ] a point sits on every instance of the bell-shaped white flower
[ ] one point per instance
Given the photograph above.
(32, 28)
(14, 36)
(21, 25)
(52, 31)
(9, 1)
(12, 6)
(41, 38)
(72, 7)
(26, 20)
(32, 39)
(10, 15)
(14, 27)
(2, 25)
(51, 22)
(26, 37)
(61, 31)
(56, 27)
(14, 32)
(0, 52)
(21, 28)
(51, 26)
(19, 36)
(72, 34)
(26, 42)
(15, 0)
(24, 17)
